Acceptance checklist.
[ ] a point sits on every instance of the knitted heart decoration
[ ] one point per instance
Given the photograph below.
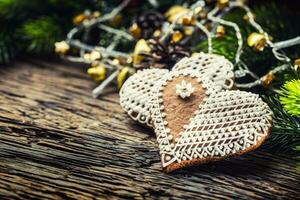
(194, 118)
(137, 91)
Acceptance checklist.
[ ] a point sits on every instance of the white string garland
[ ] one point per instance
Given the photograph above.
(215, 15)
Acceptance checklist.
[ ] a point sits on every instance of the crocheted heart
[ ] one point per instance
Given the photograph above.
(138, 89)
(196, 122)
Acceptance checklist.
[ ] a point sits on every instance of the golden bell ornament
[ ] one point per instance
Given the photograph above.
(220, 31)
(61, 47)
(297, 65)
(96, 14)
(94, 55)
(78, 19)
(188, 20)
(157, 33)
(241, 2)
(175, 12)
(246, 18)
(116, 61)
(116, 20)
(122, 76)
(97, 73)
(268, 79)
(208, 26)
(141, 46)
(257, 41)
(222, 3)
(188, 31)
(129, 60)
(177, 36)
(202, 14)
(135, 30)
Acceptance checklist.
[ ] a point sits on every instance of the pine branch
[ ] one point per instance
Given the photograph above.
(8, 46)
(220, 46)
(285, 134)
(41, 34)
(290, 97)
(73, 7)
(20, 10)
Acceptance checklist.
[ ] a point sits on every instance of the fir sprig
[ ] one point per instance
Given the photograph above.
(40, 34)
(285, 133)
(34, 26)
(8, 46)
(290, 97)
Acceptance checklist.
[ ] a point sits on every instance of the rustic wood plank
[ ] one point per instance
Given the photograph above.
(57, 142)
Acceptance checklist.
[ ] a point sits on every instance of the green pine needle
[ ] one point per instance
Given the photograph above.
(290, 97)
(20, 10)
(285, 133)
(8, 46)
(41, 34)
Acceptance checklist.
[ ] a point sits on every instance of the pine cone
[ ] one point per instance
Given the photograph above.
(162, 56)
(149, 22)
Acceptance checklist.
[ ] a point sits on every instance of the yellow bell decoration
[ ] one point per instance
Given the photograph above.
(188, 31)
(174, 12)
(122, 76)
(96, 14)
(222, 3)
(140, 46)
(135, 30)
(203, 14)
(208, 25)
(116, 20)
(177, 36)
(78, 19)
(116, 61)
(129, 60)
(220, 31)
(98, 73)
(157, 33)
(188, 20)
(257, 41)
(94, 55)
(247, 19)
(297, 65)
(268, 79)
(61, 47)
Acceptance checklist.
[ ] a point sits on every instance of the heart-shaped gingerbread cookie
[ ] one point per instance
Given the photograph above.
(196, 122)
(137, 91)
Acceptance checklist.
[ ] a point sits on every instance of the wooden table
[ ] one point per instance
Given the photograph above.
(57, 142)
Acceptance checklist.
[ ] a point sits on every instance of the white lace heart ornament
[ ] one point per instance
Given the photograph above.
(137, 91)
(194, 119)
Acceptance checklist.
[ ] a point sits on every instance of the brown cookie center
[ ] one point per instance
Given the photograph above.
(179, 110)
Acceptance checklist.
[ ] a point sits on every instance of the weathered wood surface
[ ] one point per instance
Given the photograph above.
(57, 142)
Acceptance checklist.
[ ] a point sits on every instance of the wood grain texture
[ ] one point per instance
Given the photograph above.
(57, 142)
